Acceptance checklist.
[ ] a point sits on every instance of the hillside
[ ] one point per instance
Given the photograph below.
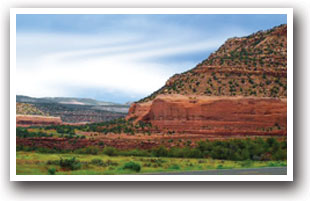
(253, 66)
(74, 113)
(71, 110)
(240, 89)
(29, 109)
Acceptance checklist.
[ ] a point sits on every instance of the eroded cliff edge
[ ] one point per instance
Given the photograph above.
(213, 115)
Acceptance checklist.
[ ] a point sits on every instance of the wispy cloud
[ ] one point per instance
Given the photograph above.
(115, 66)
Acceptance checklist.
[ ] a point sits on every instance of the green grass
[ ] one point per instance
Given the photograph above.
(32, 163)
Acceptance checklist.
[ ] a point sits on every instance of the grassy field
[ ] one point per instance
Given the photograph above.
(32, 163)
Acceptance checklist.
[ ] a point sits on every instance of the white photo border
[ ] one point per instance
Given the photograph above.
(287, 11)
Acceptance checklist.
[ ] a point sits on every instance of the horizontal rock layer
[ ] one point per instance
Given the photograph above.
(31, 120)
(213, 115)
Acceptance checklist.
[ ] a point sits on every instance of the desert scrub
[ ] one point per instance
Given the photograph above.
(97, 161)
(132, 166)
(33, 163)
(257, 149)
(51, 171)
(70, 164)
(174, 167)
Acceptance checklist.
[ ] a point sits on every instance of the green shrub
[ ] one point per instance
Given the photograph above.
(53, 162)
(70, 164)
(279, 155)
(51, 171)
(177, 152)
(219, 167)
(111, 163)
(132, 166)
(194, 153)
(134, 152)
(271, 164)
(97, 161)
(174, 167)
(110, 151)
(88, 150)
(160, 151)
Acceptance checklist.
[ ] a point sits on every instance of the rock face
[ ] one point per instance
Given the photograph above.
(36, 120)
(213, 115)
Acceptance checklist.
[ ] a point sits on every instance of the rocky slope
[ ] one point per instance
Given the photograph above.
(249, 66)
(240, 88)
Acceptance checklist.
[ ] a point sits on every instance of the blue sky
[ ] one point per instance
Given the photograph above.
(118, 58)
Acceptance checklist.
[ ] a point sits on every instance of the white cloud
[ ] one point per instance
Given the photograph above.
(56, 64)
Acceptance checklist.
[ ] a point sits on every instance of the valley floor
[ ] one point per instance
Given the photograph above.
(32, 163)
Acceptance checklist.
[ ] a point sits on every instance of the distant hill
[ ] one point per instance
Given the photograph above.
(62, 100)
(71, 110)
(254, 65)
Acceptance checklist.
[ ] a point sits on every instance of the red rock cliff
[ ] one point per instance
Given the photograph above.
(203, 114)
(239, 89)
(30, 120)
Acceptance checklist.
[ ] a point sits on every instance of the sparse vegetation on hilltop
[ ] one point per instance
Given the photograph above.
(249, 66)
(29, 109)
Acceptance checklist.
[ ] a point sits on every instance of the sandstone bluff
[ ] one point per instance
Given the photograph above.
(240, 89)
